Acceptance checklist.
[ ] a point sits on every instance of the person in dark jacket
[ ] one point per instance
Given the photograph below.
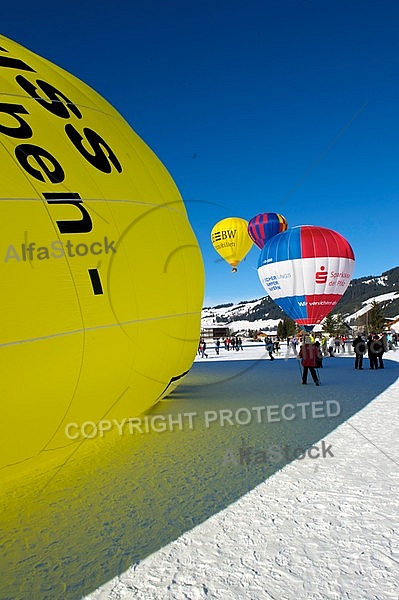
(371, 351)
(203, 348)
(379, 351)
(308, 354)
(269, 347)
(319, 355)
(359, 346)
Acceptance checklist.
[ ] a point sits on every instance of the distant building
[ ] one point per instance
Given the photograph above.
(212, 332)
(261, 335)
(393, 324)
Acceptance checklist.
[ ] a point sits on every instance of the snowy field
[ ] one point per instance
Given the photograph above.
(316, 529)
(215, 506)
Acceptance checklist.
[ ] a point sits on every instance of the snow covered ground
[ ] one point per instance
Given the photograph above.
(312, 529)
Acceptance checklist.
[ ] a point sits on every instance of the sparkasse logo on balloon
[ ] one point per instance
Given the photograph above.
(321, 276)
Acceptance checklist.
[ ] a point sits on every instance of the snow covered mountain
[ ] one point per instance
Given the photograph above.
(264, 313)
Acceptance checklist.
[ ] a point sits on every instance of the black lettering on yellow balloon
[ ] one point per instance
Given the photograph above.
(23, 131)
(54, 102)
(95, 282)
(83, 225)
(14, 63)
(100, 160)
(25, 152)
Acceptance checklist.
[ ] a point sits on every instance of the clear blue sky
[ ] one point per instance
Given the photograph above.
(239, 100)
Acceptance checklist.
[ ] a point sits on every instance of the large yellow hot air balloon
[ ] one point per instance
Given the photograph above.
(231, 240)
(97, 320)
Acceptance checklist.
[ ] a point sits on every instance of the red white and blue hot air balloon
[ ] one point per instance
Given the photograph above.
(306, 270)
(264, 226)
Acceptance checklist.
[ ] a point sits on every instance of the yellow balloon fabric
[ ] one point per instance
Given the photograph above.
(102, 277)
(231, 240)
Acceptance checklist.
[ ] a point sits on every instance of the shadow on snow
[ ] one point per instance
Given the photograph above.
(122, 497)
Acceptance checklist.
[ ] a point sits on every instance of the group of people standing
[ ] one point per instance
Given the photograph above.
(375, 346)
(272, 346)
(311, 354)
(233, 343)
(312, 351)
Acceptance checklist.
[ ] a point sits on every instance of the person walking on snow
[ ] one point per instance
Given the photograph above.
(269, 347)
(203, 348)
(331, 340)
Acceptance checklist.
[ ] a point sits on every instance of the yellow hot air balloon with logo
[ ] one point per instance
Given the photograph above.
(231, 240)
(97, 321)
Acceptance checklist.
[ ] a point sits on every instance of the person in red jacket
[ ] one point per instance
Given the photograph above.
(308, 354)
